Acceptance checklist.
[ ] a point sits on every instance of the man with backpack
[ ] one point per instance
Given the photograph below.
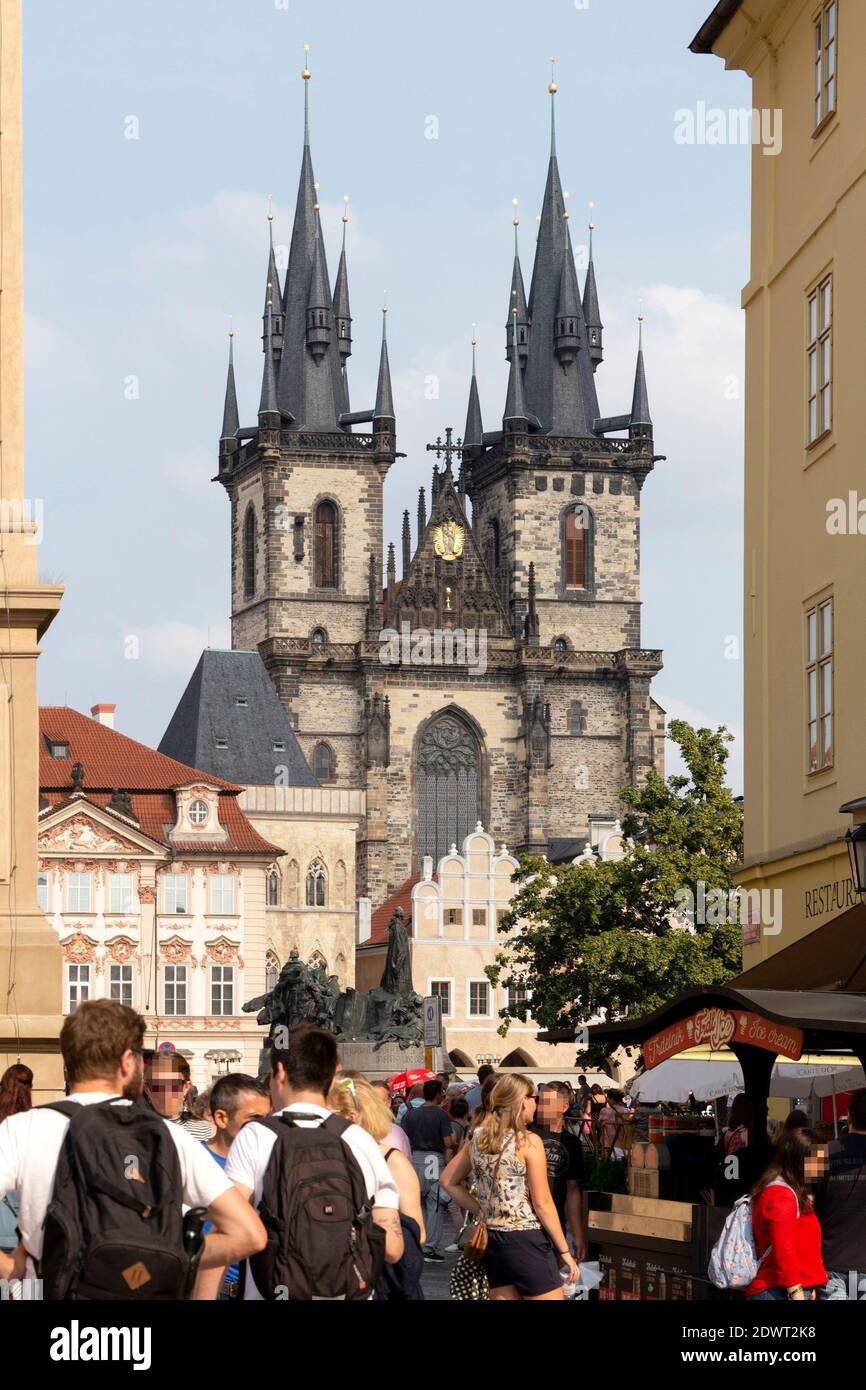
(840, 1203)
(102, 1180)
(319, 1182)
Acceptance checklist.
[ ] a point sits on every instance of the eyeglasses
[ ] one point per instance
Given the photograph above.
(166, 1085)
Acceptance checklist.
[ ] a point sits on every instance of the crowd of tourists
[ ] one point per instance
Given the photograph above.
(317, 1182)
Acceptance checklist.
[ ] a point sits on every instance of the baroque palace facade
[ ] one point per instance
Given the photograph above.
(501, 678)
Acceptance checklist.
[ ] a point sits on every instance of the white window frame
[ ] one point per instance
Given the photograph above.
(479, 980)
(819, 361)
(527, 992)
(126, 976)
(216, 889)
(42, 890)
(77, 880)
(170, 884)
(219, 980)
(76, 984)
(452, 998)
(173, 984)
(826, 81)
(130, 897)
(196, 821)
(820, 674)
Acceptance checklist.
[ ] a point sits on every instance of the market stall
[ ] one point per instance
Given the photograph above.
(667, 1223)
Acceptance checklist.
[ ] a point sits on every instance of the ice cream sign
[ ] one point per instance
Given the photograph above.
(717, 1028)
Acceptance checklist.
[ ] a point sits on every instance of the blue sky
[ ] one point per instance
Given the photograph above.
(137, 251)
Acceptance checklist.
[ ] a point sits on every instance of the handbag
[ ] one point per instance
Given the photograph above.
(469, 1282)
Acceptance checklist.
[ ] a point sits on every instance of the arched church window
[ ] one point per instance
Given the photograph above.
(323, 763)
(577, 537)
(273, 888)
(318, 959)
(272, 970)
(560, 647)
(293, 874)
(448, 773)
(319, 637)
(317, 885)
(250, 552)
(326, 546)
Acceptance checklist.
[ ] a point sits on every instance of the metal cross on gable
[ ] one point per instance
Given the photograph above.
(448, 448)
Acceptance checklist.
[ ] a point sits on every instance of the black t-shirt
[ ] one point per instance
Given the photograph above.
(564, 1154)
(427, 1127)
(840, 1204)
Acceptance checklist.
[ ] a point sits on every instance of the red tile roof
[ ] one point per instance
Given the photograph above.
(381, 918)
(111, 760)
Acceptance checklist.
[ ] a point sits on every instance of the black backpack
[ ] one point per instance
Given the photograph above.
(322, 1240)
(114, 1227)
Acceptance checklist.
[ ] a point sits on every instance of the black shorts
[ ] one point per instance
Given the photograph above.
(525, 1259)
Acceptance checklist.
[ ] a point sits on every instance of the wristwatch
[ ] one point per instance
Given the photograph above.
(798, 1288)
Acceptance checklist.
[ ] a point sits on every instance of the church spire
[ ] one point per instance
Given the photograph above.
(407, 545)
(422, 514)
(641, 420)
(309, 385)
(268, 401)
(384, 407)
(517, 300)
(231, 421)
(273, 293)
(515, 418)
(591, 311)
(566, 332)
(473, 434)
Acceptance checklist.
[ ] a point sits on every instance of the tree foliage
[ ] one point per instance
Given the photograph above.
(602, 935)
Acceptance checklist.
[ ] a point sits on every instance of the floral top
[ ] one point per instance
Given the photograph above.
(508, 1207)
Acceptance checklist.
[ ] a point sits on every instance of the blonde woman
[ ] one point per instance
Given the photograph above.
(526, 1242)
(353, 1096)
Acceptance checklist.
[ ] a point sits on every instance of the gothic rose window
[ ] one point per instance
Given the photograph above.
(448, 775)
(326, 546)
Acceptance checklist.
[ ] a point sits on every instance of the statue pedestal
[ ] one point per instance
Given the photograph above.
(378, 1063)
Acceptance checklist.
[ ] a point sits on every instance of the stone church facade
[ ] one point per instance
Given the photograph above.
(494, 672)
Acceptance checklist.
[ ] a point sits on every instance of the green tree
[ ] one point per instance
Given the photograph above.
(609, 935)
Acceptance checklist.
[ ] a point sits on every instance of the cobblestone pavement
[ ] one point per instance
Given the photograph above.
(436, 1277)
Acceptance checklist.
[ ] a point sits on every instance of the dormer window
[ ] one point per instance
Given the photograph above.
(198, 812)
(221, 742)
(58, 748)
(241, 702)
(279, 746)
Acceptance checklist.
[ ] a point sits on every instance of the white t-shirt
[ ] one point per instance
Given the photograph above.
(249, 1154)
(30, 1145)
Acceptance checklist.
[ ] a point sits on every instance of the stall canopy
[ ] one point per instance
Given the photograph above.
(710, 1075)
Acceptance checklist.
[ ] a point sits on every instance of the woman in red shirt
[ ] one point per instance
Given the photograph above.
(784, 1221)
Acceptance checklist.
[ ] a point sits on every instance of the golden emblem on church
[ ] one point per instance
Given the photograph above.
(448, 540)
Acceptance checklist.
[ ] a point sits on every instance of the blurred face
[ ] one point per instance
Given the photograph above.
(816, 1165)
(166, 1089)
(551, 1107)
(529, 1107)
(250, 1105)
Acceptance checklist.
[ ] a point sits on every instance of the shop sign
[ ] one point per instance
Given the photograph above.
(716, 1028)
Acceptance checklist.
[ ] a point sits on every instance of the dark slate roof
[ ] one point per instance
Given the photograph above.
(209, 710)
(231, 423)
(714, 26)
(563, 851)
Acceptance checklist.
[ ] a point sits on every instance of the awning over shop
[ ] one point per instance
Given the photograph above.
(708, 1075)
(832, 957)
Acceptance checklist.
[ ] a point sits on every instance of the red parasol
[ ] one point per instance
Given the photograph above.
(405, 1080)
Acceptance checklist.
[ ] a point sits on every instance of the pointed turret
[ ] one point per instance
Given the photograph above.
(566, 330)
(320, 312)
(269, 410)
(474, 432)
(517, 300)
(515, 419)
(273, 295)
(391, 584)
(231, 421)
(422, 514)
(374, 597)
(383, 411)
(591, 311)
(530, 622)
(342, 314)
(407, 544)
(641, 420)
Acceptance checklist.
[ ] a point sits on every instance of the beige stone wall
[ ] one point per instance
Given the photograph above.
(311, 825)
(29, 954)
(808, 215)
